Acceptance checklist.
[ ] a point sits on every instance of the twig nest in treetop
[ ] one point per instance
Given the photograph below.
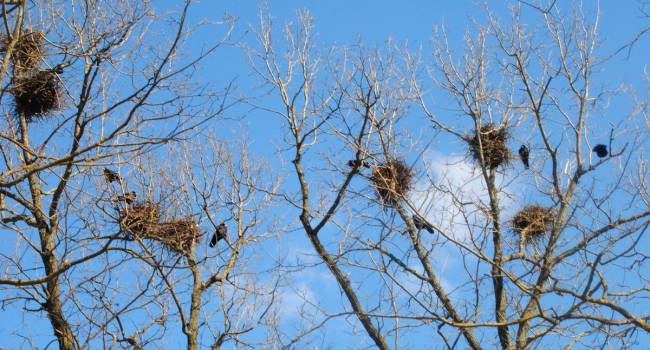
(532, 222)
(178, 236)
(27, 51)
(392, 180)
(142, 221)
(139, 218)
(493, 142)
(36, 94)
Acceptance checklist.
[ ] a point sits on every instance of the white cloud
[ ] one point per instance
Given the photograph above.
(294, 299)
(453, 195)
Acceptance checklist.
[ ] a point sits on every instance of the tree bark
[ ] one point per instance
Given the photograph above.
(434, 282)
(192, 332)
(346, 285)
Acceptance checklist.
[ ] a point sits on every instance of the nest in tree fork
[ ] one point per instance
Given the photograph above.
(142, 221)
(138, 219)
(27, 52)
(178, 236)
(36, 94)
(392, 180)
(532, 223)
(493, 142)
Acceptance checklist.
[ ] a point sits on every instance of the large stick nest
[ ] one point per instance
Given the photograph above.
(142, 221)
(532, 223)
(139, 218)
(27, 52)
(493, 142)
(178, 236)
(392, 180)
(36, 94)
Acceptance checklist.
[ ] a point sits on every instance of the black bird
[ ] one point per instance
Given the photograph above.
(127, 197)
(601, 150)
(110, 176)
(421, 224)
(354, 163)
(523, 154)
(219, 234)
(58, 69)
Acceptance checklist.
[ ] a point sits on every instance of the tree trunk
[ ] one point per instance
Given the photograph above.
(192, 332)
(54, 307)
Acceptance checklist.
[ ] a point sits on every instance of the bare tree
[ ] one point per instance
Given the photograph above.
(306, 108)
(539, 254)
(85, 86)
(131, 225)
(209, 283)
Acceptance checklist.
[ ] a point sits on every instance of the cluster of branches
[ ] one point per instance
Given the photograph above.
(565, 288)
(381, 214)
(119, 104)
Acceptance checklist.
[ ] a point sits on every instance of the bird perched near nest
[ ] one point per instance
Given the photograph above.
(111, 176)
(127, 197)
(58, 69)
(601, 150)
(420, 224)
(523, 154)
(355, 163)
(219, 234)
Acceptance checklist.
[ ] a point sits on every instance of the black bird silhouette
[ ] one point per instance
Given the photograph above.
(523, 154)
(219, 234)
(354, 163)
(421, 224)
(58, 69)
(127, 197)
(601, 150)
(110, 176)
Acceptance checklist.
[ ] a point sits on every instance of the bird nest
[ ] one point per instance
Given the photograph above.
(36, 94)
(138, 219)
(27, 52)
(493, 142)
(142, 221)
(392, 180)
(178, 236)
(532, 223)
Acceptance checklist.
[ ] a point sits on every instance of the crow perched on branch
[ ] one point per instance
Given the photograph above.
(601, 150)
(58, 69)
(111, 176)
(127, 197)
(420, 224)
(523, 154)
(354, 163)
(219, 234)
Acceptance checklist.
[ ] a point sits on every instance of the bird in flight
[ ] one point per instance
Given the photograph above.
(523, 154)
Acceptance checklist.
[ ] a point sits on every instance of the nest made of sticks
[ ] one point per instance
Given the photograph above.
(139, 218)
(392, 180)
(36, 94)
(493, 142)
(178, 235)
(27, 52)
(142, 220)
(532, 223)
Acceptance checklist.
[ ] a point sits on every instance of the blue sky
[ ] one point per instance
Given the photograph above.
(410, 23)
(342, 23)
